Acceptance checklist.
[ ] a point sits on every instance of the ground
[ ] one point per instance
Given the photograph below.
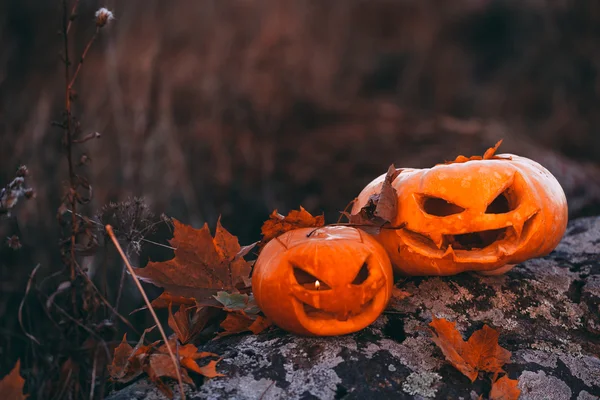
(546, 310)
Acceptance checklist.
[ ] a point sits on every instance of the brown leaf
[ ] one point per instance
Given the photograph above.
(180, 323)
(209, 370)
(277, 224)
(484, 352)
(202, 264)
(188, 355)
(480, 353)
(165, 299)
(11, 386)
(381, 208)
(235, 323)
(188, 322)
(241, 322)
(505, 389)
(259, 325)
(128, 361)
(118, 368)
(161, 365)
(399, 294)
(491, 152)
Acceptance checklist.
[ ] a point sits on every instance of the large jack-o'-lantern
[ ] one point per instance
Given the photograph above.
(482, 215)
(323, 281)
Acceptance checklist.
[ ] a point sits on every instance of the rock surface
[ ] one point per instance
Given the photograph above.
(546, 310)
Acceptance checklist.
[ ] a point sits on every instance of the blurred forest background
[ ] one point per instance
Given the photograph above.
(237, 108)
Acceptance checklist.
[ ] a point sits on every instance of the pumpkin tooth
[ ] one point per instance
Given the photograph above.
(449, 253)
(518, 228)
(501, 250)
(438, 239)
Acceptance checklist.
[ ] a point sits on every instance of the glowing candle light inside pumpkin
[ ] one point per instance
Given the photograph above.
(317, 284)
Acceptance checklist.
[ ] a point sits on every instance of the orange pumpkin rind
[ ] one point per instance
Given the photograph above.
(482, 214)
(324, 281)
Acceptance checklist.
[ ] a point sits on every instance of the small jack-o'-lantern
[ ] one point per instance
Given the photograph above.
(323, 281)
(482, 215)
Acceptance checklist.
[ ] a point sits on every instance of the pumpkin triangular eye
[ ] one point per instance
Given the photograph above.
(500, 205)
(362, 275)
(438, 206)
(307, 280)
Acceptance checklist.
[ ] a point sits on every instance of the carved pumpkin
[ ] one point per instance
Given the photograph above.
(327, 281)
(482, 215)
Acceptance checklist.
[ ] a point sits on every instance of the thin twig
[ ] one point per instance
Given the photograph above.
(64, 388)
(343, 213)
(110, 232)
(142, 239)
(72, 15)
(30, 336)
(68, 144)
(158, 244)
(104, 300)
(78, 323)
(82, 59)
(93, 384)
(120, 291)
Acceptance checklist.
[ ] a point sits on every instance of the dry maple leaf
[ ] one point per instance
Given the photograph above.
(209, 370)
(278, 224)
(160, 365)
(189, 322)
(490, 154)
(11, 386)
(381, 208)
(128, 361)
(202, 264)
(480, 353)
(240, 322)
(166, 299)
(505, 389)
(399, 294)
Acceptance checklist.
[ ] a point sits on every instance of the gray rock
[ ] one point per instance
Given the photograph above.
(546, 311)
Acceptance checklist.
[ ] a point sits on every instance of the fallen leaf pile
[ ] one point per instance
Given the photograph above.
(481, 353)
(11, 386)
(278, 224)
(154, 360)
(203, 294)
(381, 208)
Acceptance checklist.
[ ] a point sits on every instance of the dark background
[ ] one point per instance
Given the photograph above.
(239, 107)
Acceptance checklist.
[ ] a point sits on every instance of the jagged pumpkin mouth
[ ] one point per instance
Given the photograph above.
(497, 242)
(318, 314)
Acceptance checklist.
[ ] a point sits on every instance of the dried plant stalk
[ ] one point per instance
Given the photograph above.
(110, 232)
